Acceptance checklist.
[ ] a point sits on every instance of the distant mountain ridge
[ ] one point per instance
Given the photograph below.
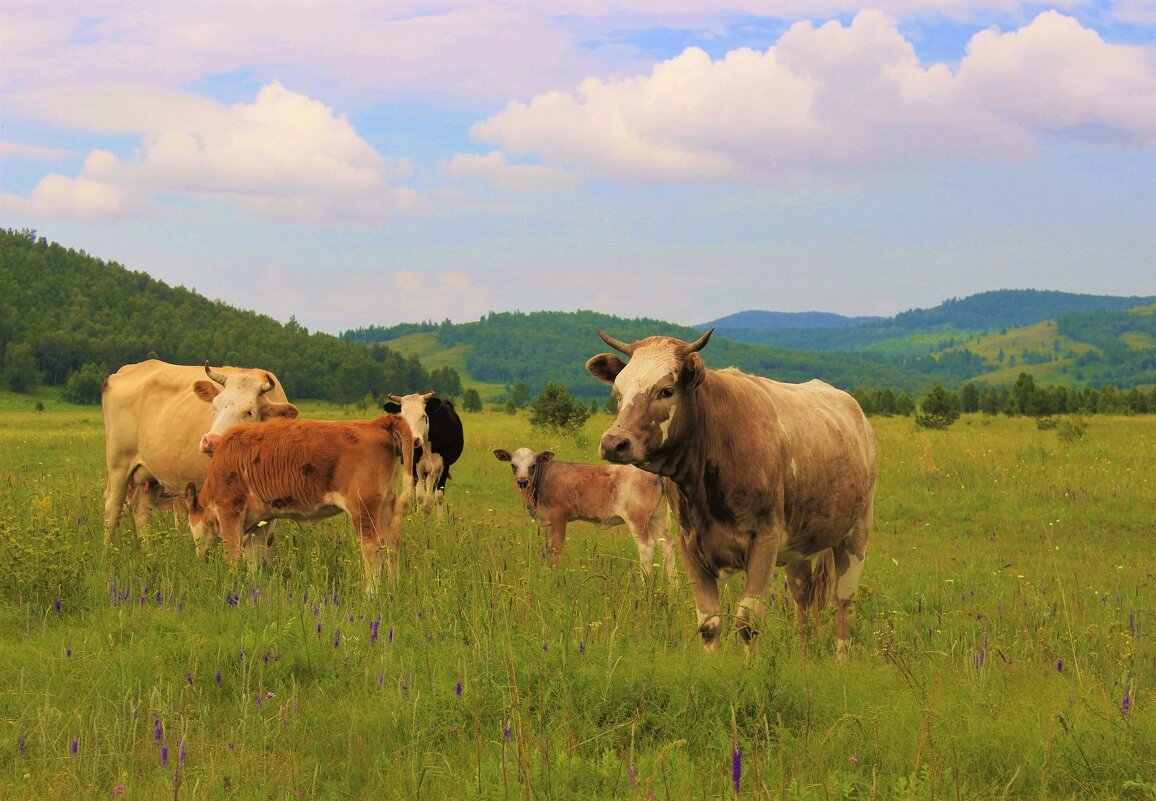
(986, 311)
(775, 320)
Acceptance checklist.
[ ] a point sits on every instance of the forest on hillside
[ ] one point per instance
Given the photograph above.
(69, 319)
(1117, 362)
(540, 347)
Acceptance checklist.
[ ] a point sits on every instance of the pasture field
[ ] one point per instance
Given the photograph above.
(1003, 643)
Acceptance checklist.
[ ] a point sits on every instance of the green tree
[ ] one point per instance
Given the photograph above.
(446, 382)
(939, 409)
(85, 385)
(20, 373)
(557, 410)
(471, 401)
(969, 398)
(520, 395)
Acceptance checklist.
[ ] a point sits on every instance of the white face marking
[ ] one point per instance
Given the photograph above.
(236, 403)
(413, 412)
(647, 368)
(522, 460)
(664, 426)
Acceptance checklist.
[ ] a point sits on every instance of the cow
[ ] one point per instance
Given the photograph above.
(765, 473)
(556, 493)
(438, 442)
(161, 422)
(308, 470)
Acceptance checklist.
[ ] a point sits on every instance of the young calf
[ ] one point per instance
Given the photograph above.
(556, 493)
(308, 470)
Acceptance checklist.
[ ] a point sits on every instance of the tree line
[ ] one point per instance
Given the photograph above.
(68, 320)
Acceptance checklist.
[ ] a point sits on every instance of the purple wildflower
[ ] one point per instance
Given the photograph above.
(373, 632)
(458, 689)
(737, 769)
(182, 753)
(21, 744)
(1126, 707)
(1060, 665)
(509, 735)
(633, 775)
(57, 605)
(337, 638)
(389, 636)
(581, 647)
(68, 651)
(118, 790)
(218, 677)
(231, 599)
(164, 756)
(76, 745)
(189, 678)
(159, 597)
(319, 629)
(157, 730)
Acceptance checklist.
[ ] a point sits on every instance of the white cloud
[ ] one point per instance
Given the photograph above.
(497, 169)
(838, 96)
(284, 155)
(22, 150)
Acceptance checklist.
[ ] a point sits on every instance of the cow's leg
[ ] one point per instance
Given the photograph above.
(704, 585)
(114, 495)
(140, 499)
(849, 558)
(372, 535)
(644, 538)
(659, 531)
(556, 539)
(801, 581)
(752, 604)
(231, 532)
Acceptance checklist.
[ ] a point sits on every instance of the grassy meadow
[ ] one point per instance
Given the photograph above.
(1003, 642)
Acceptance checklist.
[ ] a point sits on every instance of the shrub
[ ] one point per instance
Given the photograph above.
(1071, 429)
(556, 409)
(939, 409)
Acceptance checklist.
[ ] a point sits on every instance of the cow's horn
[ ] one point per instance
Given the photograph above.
(220, 379)
(699, 343)
(268, 385)
(622, 347)
(395, 398)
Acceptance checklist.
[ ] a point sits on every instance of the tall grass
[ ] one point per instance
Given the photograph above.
(1006, 613)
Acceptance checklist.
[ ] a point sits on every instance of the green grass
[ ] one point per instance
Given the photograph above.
(998, 551)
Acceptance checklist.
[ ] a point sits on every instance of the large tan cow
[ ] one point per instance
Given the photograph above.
(556, 493)
(766, 473)
(162, 420)
(307, 470)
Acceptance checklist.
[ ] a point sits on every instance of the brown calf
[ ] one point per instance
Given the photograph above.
(555, 493)
(307, 470)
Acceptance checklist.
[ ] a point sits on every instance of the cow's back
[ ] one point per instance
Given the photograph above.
(447, 438)
(597, 492)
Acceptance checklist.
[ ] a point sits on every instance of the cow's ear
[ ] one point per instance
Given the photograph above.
(546, 456)
(502, 454)
(206, 390)
(693, 371)
(286, 410)
(431, 404)
(605, 367)
(392, 408)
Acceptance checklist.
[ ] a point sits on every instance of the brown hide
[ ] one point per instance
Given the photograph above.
(766, 473)
(308, 470)
(557, 493)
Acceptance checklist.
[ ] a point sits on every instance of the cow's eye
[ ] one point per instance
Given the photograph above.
(666, 392)
(513, 469)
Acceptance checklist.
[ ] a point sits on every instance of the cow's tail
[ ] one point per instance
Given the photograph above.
(403, 440)
(821, 584)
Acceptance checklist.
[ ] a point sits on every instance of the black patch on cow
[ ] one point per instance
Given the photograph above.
(282, 503)
(716, 497)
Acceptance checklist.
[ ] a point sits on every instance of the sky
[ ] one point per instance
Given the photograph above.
(359, 163)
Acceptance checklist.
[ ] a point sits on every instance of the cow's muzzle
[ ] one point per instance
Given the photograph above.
(523, 483)
(619, 449)
(209, 443)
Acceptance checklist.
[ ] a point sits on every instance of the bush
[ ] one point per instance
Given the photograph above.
(557, 410)
(1071, 429)
(940, 409)
(471, 401)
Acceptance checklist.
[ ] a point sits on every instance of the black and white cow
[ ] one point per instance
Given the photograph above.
(438, 441)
